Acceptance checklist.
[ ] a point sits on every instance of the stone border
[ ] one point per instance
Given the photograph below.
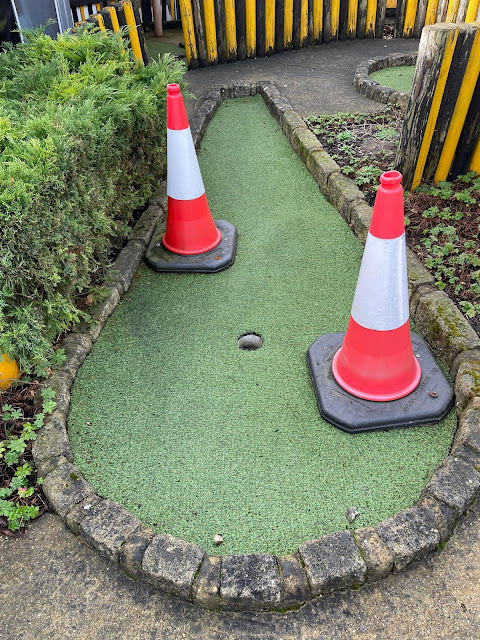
(335, 561)
(375, 91)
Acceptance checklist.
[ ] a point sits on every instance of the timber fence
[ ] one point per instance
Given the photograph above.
(114, 16)
(440, 138)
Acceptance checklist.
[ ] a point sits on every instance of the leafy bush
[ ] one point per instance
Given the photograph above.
(82, 141)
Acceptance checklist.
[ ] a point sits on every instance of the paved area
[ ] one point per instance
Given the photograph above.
(315, 81)
(54, 587)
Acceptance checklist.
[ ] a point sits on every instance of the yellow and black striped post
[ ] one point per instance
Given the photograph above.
(442, 118)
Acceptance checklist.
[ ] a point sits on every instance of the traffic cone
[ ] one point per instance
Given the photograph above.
(376, 361)
(191, 233)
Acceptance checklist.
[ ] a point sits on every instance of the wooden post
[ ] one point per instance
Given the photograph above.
(343, 20)
(288, 24)
(362, 18)
(221, 33)
(318, 21)
(380, 20)
(231, 30)
(470, 136)
(352, 19)
(210, 31)
(420, 18)
(327, 20)
(260, 8)
(189, 34)
(371, 17)
(435, 54)
(472, 11)
(304, 23)
(431, 15)
(469, 72)
(279, 26)
(269, 27)
(240, 19)
(253, 25)
(200, 32)
(409, 21)
(297, 18)
(310, 23)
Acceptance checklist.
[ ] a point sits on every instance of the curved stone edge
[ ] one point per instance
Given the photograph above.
(335, 561)
(375, 91)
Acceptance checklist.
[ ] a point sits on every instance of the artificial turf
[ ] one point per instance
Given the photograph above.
(156, 48)
(197, 437)
(398, 78)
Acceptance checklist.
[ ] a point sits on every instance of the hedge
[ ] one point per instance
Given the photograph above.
(83, 142)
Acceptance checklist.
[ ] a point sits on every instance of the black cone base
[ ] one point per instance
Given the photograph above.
(218, 258)
(426, 405)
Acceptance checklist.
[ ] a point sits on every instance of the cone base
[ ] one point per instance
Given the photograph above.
(355, 415)
(220, 257)
(376, 397)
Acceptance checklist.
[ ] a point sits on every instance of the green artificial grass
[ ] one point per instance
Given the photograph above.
(155, 48)
(398, 78)
(197, 437)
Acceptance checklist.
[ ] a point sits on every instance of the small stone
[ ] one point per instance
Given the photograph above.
(351, 514)
(217, 539)
(250, 342)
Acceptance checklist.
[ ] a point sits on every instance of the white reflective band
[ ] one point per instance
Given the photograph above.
(184, 180)
(381, 296)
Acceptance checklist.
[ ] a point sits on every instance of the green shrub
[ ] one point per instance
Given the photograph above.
(82, 141)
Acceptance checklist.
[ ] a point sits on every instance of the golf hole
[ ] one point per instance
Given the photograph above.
(250, 341)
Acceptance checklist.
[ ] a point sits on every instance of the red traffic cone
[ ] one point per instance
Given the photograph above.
(376, 361)
(190, 226)
(190, 231)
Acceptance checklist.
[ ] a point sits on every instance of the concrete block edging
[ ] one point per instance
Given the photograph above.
(374, 90)
(335, 561)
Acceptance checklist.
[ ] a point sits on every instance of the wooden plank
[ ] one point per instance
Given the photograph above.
(199, 25)
(147, 17)
(472, 11)
(442, 10)
(399, 18)
(304, 23)
(435, 54)
(452, 10)
(310, 23)
(469, 76)
(343, 20)
(231, 30)
(409, 21)
(210, 31)
(362, 18)
(334, 19)
(260, 28)
(462, 10)
(420, 18)
(240, 19)
(288, 24)
(475, 161)
(371, 18)
(352, 19)
(269, 27)
(279, 26)
(188, 29)
(318, 21)
(431, 15)
(297, 16)
(251, 26)
(380, 19)
(470, 137)
(219, 6)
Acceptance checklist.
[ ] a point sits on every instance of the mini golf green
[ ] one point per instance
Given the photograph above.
(398, 78)
(156, 48)
(197, 437)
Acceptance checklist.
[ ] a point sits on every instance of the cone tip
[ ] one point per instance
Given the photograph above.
(173, 89)
(391, 178)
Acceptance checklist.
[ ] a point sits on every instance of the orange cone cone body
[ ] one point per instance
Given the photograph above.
(190, 227)
(376, 360)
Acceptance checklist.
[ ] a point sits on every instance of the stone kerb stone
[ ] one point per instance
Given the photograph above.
(335, 561)
(374, 90)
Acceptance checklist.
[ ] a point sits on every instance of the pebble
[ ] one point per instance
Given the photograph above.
(351, 514)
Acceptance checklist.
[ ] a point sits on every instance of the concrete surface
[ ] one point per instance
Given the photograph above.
(52, 586)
